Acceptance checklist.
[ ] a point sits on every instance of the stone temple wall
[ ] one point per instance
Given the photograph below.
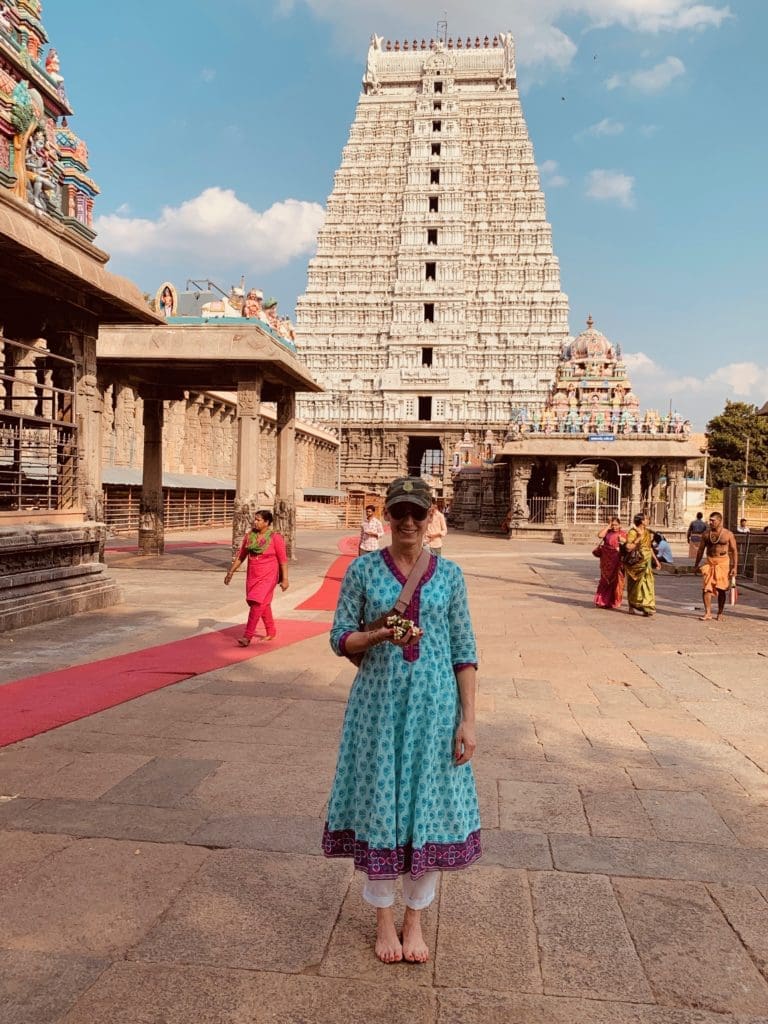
(200, 439)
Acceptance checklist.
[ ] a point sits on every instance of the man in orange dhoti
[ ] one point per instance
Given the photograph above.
(719, 572)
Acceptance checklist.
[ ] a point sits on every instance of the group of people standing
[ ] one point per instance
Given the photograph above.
(628, 558)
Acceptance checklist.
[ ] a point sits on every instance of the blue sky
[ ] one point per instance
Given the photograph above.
(214, 133)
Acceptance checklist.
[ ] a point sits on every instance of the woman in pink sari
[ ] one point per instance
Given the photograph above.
(267, 566)
(610, 589)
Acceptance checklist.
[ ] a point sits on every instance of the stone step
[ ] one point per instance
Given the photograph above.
(55, 599)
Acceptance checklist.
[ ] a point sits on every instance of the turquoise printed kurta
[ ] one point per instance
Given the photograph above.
(399, 803)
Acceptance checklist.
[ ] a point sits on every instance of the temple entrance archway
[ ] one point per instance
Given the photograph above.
(426, 458)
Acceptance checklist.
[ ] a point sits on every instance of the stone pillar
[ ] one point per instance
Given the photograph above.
(676, 493)
(89, 405)
(248, 460)
(285, 469)
(518, 492)
(151, 520)
(560, 491)
(636, 494)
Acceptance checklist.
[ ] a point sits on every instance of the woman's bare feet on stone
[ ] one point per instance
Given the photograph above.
(388, 948)
(415, 949)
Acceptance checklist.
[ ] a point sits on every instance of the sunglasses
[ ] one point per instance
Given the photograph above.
(416, 512)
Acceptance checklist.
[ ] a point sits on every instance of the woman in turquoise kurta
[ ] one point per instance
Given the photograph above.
(404, 801)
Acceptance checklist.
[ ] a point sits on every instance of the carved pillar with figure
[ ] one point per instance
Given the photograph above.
(285, 472)
(247, 500)
(676, 493)
(636, 494)
(519, 510)
(151, 516)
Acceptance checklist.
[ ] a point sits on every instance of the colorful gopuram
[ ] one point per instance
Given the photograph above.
(42, 161)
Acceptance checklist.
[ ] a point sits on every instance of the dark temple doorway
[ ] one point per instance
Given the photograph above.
(425, 458)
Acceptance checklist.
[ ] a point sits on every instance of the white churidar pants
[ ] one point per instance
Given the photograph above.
(418, 893)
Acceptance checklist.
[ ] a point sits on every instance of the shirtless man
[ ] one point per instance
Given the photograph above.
(719, 573)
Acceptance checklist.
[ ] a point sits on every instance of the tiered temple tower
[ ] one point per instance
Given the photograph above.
(433, 305)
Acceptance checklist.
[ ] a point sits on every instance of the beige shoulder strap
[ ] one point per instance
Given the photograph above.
(414, 577)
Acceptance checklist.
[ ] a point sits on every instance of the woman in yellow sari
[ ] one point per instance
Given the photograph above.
(639, 563)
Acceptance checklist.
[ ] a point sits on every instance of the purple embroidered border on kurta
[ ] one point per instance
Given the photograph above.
(412, 651)
(402, 860)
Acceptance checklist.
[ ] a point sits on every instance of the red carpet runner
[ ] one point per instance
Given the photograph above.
(39, 703)
(324, 599)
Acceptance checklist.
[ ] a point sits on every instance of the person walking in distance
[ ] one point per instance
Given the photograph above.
(696, 527)
(719, 571)
(371, 530)
(437, 528)
(264, 549)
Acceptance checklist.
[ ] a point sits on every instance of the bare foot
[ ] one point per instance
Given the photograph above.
(388, 948)
(705, 618)
(415, 949)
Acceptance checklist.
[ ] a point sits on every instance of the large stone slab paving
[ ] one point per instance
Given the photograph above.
(690, 954)
(747, 819)
(685, 817)
(133, 993)
(254, 910)
(253, 712)
(21, 766)
(162, 782)
(584, 945)
(593, 776)
(86, 777)
(479, 1007)
(678, 677)
(309, 716)
(616, 700)
(11, 807)
(668, 722)
(511, 737)
(617, 812)
(541, 807)
(95, 896)
(350, 951)
(515, 849)
(684, 780)
(616, 742)
(746, 910)
(261, 832)
(649, 858)
(486, 936)
(258, 751)
(38, 988)
(257, 789)
(20, 853)
(96, 819)
(80, 737)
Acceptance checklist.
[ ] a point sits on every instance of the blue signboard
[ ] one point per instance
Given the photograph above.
(602, 437)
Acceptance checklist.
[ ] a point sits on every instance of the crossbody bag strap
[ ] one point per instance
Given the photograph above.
(414, 578)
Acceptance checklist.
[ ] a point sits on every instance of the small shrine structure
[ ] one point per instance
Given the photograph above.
(588, 453)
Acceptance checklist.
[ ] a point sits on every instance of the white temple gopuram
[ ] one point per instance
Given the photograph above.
(433, 305)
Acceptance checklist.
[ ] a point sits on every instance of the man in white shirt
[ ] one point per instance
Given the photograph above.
(370, 531)
(436, 529)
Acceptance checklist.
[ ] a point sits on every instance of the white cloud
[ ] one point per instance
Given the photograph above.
(698, 398)
(208, 74)
(606, 127)
(540, 39)
(550, 175)
(216, 226)
(650, 80)
(613, 186)
(649, 130)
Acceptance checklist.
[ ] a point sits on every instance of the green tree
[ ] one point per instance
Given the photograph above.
(728, 435)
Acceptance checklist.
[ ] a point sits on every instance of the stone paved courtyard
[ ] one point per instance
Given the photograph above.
(159, 861)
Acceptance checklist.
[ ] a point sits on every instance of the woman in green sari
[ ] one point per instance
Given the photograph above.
(639, 563)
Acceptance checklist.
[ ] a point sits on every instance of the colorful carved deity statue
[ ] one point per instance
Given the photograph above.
(41, 173)
(253, 307)
(270, 308)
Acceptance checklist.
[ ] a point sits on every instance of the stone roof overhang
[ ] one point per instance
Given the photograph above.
(44, 262)
(636, 447)
(199, 357)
